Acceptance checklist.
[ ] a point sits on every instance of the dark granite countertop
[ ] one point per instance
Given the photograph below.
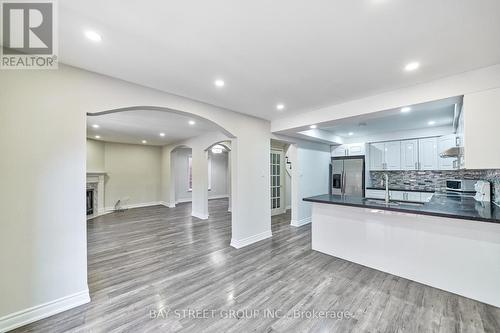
(442, 205)
(391, 188)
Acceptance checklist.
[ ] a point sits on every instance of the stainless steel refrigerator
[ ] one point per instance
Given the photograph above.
(347, 176)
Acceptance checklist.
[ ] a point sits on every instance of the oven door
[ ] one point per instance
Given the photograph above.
(454, 185)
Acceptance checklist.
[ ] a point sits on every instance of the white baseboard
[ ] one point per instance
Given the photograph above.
(301, 222)
(168, 204)
(183, 200)
(288, 207)
(239, 243)
(222, 196)
(140, 205)
(199, 215)
(27, 316)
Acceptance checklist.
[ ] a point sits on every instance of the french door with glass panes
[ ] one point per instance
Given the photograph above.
(277, 192)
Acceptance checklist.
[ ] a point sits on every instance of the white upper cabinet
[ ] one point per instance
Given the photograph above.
(409, 155)
(351, 149)
(339, 151)
(393, 155)
(354, 149)
(444, 143)
(428, 153)
(377, 156)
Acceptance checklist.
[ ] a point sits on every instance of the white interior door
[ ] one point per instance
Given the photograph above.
(277, 193)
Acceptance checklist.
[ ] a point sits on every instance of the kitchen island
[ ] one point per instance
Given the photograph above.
(451, 243)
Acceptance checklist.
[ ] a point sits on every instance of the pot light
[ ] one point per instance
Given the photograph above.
(97, 136)
(191, 122)
(412, 66)
(144, 141)
(406, 109)
(313, 126)
(95, 126)
(431, 122)
(350, 133)
(93, 36)
(217, 149)
(162, 134)
(280, 107)
(219, 83)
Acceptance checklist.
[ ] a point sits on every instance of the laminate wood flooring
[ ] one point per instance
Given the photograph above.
(155, 269)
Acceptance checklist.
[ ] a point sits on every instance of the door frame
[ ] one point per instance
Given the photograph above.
(282, 208)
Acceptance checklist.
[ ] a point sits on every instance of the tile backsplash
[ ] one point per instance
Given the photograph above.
(435, 180)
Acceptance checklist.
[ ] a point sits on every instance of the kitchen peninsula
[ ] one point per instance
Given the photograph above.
(450, 242)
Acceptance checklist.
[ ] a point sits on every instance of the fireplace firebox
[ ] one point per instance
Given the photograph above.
(90, 202)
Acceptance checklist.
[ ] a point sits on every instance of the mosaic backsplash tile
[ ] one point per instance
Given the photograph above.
(435, 180)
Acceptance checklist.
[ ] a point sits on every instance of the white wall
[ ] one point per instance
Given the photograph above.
(181, 166)
(95, 156)
(42, 144)
(313, 161)
(133, 174)
(219, 184)
(43, 237)
(219, 178)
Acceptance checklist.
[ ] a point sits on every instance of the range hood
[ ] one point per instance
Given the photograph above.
(453, 152)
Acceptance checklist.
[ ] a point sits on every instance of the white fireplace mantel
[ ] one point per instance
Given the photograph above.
(97, 178)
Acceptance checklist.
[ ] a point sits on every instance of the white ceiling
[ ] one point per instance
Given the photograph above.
(135, 126)
(441, 113)
(305, 54)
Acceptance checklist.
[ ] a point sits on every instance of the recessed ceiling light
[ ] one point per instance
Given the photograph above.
(219, 83)
(313, 126)
(144, 141)
(431, 122)
(97, 137)
(95, 126)
(280, 107)
(406, 109)
(412, 66)
(350, 133)
(162, 134)
(192, 122)
(93, 36)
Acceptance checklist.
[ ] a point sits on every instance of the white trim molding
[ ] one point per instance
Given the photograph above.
(301, 222)
(168, 204)
(30, 315)
(200, 216)
(140, 205)
(239, 243)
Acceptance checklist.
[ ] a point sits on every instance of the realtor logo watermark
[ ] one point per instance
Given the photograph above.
(29, 35)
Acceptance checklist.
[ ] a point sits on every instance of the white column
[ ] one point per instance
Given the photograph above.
(200, 183)
(229, 180)
(167, 177)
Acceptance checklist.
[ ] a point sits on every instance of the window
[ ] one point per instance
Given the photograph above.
(190, 173)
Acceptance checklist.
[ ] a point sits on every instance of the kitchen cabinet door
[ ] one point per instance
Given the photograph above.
(413, 196)
(446, 142)
(425, 196)
(375, 194)
(355, 149)
(397, 195)
(393, 155)
(339, 151)
(377, 161)
(428, 154)
(409, 155)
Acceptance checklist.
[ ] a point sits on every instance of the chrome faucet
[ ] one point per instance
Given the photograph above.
(387, 198)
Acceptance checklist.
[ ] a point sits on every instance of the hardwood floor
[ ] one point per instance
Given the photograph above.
(148, 259)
